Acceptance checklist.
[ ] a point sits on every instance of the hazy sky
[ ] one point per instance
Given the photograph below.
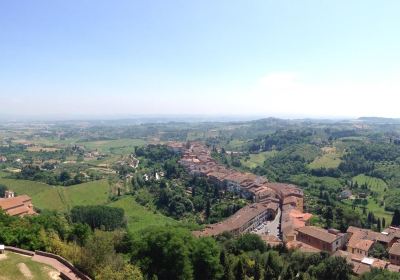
(272, 58)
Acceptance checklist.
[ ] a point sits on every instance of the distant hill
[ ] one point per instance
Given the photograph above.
(379, 120)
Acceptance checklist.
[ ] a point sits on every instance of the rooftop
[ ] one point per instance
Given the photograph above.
(318, 233)
(395, 249)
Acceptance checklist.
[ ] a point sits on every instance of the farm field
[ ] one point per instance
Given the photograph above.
(60, 198)
(372, 206)
(375, 184)
(119, 146)
(18, 267)
(329, 159)
(257, 159)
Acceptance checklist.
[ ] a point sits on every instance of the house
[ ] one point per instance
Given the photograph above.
(360, 246)
(394, 254)
(2, 248)
(17, 205)
(3, 159)
(325, 240)
(387, 237)
(345, 194)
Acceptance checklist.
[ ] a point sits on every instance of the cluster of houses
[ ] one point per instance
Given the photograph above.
(268, 198)
(356, 246)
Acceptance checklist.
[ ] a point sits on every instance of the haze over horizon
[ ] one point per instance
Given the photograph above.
(225, 58)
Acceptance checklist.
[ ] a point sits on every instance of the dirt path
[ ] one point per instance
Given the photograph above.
(25, 270)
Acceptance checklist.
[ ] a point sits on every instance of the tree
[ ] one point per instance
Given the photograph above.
(328, 215)
(226, 266)
(128, 272)
(396, 218)
(164, 252)
(206, 259)
(378, 251)
(249, 242)
(258, 270)
(208, 209)
(64, 176)
(273, 266)
(93, 258)
(383, 223)
(332, 268)
(379, 274)
(378, 225)
(240, 273)
(99, 216)
(3, 189)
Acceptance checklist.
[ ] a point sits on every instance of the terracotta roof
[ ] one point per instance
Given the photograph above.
(17, 206)
(393, 268)
(303, 247)
(395, 249)
(361, 268)
(362, 244)
(318, 233)
(238, 219)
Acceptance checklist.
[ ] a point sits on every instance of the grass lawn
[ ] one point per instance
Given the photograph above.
(119, 146)
(10, 268)
(257, 159)
(140, 217)
(329, 159)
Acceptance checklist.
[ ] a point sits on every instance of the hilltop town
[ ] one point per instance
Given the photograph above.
(284, 203)
(256, 197)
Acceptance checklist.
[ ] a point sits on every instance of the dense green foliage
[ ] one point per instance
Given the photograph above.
(99, 217)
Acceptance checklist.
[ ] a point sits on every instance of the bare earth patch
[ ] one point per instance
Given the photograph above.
(329, 150)
(3, 257)
(53, 274)
(25, 270)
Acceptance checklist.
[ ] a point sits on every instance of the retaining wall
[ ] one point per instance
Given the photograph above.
(19, 251)
(64, 262)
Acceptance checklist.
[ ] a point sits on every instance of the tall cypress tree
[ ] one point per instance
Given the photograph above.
(239, 271)
(396, 218)
(378, 225)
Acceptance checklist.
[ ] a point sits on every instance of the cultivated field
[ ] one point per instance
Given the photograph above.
(330, 158)
(257, 159)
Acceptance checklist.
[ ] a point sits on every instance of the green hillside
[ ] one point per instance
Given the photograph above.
(60, 198)
(138, 216)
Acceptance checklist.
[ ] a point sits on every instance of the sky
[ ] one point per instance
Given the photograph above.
(309, 58)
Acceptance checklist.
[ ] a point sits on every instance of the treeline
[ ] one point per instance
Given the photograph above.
(35, 173)
(280, 139)
(363, 158)
(99, 217)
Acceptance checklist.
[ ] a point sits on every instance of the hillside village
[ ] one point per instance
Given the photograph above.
(284, 203)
